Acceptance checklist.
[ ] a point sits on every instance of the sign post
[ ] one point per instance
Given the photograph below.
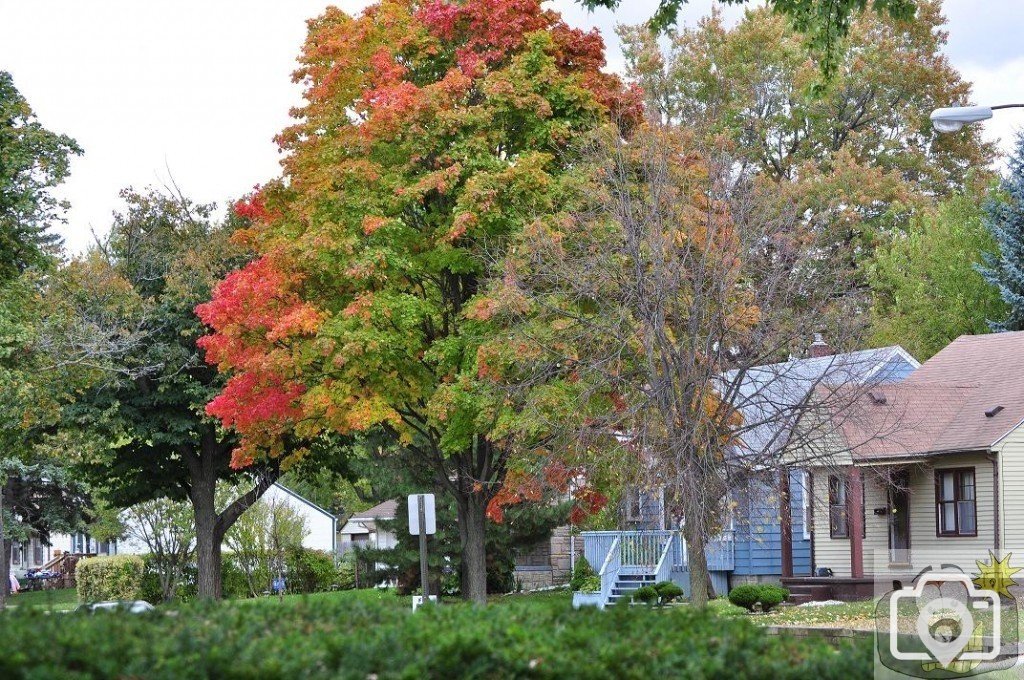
(422, 521)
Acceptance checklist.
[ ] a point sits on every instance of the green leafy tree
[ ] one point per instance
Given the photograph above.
(130, 301)
(926, 284)
(33, 160)
(1004, 268)
(824, 22)
(260, 538)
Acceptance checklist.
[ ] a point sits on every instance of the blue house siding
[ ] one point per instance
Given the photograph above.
(758, 532)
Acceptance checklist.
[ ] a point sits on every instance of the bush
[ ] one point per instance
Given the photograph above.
(110, 578)
(234, 584)
(591, 584)
(772, 596)
(749, 595)
(645, 594)
(581, 573)
(514, 637)
(310, 571)
(668, 591)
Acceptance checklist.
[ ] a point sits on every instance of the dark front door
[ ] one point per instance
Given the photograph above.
(899, 518)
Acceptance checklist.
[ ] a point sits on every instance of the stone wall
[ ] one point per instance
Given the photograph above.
(559, 571)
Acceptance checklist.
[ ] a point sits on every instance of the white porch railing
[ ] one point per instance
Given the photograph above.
(646, 552)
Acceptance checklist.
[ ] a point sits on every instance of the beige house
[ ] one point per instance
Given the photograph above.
(931, 470)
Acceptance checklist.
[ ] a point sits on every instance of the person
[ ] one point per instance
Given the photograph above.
(278, 585)
(15, 585)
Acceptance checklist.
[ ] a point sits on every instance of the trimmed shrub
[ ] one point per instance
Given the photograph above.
(645, 594)
(668, 591)
(581, 573)
(515, 637)
(772, 596)
(118, 577)
(749, 595)
(746, 596)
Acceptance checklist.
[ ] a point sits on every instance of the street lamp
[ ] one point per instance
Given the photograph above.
(952, 118)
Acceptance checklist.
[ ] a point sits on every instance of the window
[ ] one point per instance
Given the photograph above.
(16, 553)
(956, 508)
(838, 515)
(37, 551)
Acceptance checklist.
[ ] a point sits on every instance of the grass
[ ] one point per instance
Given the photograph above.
(63, 599)
(854, 615)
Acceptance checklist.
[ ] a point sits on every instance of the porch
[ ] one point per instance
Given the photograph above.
(628, 560)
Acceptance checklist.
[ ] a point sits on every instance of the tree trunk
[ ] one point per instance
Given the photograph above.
(696, 552)
(472, 525)
(208, 559)
(5, 561)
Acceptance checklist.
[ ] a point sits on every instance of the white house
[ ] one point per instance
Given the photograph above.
(321, 525)
(362, 530)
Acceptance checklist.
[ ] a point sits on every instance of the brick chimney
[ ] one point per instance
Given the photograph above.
(820, 348)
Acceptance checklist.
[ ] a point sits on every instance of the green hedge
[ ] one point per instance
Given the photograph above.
(110, 578)
(313, 637)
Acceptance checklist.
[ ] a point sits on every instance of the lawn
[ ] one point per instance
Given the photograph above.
(853, 615)
(370, 633)
(52, 600)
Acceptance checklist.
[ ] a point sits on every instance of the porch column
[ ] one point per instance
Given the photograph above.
(856, 521)
(785, 523)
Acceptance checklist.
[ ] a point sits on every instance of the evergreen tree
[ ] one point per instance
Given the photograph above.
(1005, 220)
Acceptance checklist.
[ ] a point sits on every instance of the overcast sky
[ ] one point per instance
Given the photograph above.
(198, 88)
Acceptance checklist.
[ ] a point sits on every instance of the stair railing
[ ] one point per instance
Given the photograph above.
(663, 571)
(610, 571)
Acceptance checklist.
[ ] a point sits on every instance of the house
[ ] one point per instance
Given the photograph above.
(767, 535)
(362, 530)
(321, 528)
(930, 471)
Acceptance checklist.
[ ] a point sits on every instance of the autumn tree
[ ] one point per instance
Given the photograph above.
(130, 303)
(926, 287)
(824, 23)
(680, 286)
(857, 152)
(432, 133)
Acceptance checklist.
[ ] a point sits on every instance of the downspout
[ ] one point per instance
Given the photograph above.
(997, 528)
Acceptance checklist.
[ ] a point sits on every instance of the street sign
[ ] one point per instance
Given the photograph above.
(429, 523)
(422, 524)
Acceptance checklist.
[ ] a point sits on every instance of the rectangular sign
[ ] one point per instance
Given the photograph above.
(429, 523)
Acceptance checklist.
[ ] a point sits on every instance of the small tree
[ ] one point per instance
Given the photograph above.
(1005, 219)
(167, 529)
(260, 538)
